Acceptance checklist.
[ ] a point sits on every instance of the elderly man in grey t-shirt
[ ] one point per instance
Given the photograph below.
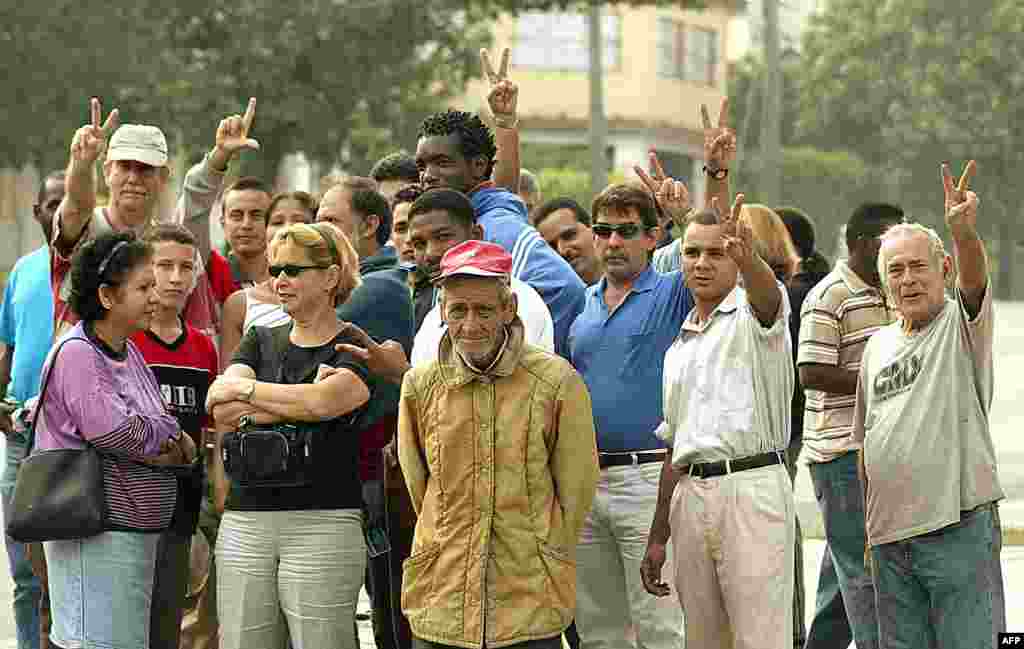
(928, 464)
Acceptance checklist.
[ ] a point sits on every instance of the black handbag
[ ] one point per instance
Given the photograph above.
(59, 493)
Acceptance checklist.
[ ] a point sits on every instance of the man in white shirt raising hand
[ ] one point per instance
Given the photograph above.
(728, 385)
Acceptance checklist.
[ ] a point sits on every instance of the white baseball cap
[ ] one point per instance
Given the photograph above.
(139, 142)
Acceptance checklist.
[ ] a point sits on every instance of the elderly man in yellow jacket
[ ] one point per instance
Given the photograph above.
(496, 442)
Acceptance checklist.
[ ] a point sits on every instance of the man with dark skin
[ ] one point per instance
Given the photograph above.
(457, 150)
(26, 318)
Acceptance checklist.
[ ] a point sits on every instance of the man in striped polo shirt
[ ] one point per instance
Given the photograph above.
(837, 318)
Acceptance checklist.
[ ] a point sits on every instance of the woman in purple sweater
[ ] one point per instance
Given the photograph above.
(101, 393)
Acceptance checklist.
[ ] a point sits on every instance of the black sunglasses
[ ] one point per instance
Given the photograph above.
(291, 270)
(626, 230)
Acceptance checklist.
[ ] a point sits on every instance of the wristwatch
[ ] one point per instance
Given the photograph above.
(717, 174)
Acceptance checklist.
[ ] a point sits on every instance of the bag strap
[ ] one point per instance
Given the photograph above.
(42, 393)
(171, 469)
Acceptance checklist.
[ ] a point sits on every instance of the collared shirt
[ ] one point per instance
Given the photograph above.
(729, 384)
(838, 317)
(26, 322)
(540, 329)
(620, 354)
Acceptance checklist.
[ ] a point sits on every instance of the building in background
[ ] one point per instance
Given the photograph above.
(660, 65)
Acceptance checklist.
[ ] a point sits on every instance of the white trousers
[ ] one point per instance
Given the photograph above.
(734, 537)
(612, 608)
(289, 575)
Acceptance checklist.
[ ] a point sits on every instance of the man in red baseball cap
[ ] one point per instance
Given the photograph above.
(496, 443)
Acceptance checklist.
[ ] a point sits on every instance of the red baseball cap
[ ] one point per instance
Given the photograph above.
(477, 258)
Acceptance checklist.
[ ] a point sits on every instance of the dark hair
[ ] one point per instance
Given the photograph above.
(408, 194)
(544, 211)
(528, 182)
(169, 232)
(867, 218)
(623, 196)
(456, 204)
(475, 139)
(247, 183)
(58, 175)
(366, 200)
(801, 229)
(95, 256)
(706, 216)
(399, 165)
(305, 199)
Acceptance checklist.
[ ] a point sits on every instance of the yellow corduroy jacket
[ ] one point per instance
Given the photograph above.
(502, 470)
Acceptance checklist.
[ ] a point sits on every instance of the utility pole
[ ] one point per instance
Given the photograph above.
(598, 121)
(770, 180)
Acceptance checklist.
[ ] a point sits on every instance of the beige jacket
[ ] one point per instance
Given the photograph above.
(502, 470)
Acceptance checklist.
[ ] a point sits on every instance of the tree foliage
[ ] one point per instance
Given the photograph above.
(342, 80)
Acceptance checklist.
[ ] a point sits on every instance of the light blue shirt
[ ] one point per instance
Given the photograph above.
(26, 322)
(621, 355)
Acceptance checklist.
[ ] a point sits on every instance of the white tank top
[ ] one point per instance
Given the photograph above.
(262, 314)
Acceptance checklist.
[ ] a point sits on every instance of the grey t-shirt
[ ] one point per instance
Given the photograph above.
(923, 401)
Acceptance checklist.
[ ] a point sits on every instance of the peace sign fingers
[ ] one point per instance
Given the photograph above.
(502, 98)
(961, 204)
(719, 141)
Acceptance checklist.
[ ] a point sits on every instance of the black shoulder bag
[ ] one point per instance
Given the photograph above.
(59, 493)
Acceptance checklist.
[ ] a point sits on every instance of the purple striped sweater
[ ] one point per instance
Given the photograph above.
(113, 404)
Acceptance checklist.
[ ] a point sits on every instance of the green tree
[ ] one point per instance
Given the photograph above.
(908, 84)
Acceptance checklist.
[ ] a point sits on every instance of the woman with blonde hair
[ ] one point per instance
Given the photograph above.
(772, 240)
(291, 543)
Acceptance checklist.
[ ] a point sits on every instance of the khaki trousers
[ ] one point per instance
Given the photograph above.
(733, 538)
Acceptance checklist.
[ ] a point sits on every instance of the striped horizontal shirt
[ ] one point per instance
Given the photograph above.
(838, 317)
(115, 405)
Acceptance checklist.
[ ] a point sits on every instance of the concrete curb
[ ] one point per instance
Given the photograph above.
(812, 526)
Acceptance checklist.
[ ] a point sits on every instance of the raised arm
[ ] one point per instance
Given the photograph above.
(87, 145)
(763, 292)
(719, 152)
(502, 100)
(671, 195)
(961, 208)
(205, 180)
(232, 321)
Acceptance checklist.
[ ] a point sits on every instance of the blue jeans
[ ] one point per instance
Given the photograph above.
(841, 500)
(26, 586)
(940, 589)
(101, 590)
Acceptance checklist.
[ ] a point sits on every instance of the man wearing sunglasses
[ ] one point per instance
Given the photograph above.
(632, 315)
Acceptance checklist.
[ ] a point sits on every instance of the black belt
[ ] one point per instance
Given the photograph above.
(606, 460)
(722, 467)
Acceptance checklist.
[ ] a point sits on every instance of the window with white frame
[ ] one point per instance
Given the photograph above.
(686, 53)
(559, 41)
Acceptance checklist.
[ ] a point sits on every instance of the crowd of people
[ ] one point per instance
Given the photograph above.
(515, 422)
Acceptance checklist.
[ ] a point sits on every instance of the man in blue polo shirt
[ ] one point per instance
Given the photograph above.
(26, 331)
(618, 345)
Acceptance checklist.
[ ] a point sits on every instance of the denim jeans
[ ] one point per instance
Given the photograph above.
(841, 500)
(26, 586)
(101, 590)
(939, 589)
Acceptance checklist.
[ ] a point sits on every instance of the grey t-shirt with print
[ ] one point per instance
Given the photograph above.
(923, 400)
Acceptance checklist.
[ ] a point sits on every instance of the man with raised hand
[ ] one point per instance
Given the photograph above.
(137, 173)
(928, 465)
(725, 498)
(719, 152)
(457, 150)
